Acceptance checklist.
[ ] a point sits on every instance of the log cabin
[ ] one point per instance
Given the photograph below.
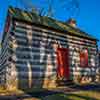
(38, 51)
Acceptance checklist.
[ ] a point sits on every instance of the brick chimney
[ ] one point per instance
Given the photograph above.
(72, 22)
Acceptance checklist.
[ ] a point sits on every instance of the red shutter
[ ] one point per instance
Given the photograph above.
(84, 58)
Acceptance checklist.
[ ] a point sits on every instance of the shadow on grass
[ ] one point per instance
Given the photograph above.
(89, 87)
(61, 94)
(68, 97)
(56, 95)
(39, 94)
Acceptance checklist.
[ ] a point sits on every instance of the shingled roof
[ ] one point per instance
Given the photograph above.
(46, 21)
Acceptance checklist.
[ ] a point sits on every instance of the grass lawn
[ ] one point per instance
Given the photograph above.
(39, 94)
(82, 95)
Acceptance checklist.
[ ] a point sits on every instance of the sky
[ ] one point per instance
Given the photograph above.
(88, 17)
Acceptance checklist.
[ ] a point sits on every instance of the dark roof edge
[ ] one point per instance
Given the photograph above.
(81, 31)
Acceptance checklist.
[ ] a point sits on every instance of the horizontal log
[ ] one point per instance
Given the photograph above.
(3, 61)
(31, 28)
(5, 40)
(36, 74)
(65, 40)
(2, 72)
(35, 49)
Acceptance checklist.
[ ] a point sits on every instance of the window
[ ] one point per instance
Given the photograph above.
(84, 58)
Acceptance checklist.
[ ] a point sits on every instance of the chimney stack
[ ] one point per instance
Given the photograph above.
(72, 22)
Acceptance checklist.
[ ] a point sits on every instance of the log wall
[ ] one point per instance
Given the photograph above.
(32, 55)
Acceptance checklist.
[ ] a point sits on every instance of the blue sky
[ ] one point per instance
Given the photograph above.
(88, 18)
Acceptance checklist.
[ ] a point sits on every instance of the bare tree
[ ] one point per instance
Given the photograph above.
(70, 6)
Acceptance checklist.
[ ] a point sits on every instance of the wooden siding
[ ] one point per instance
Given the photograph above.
(42, 36)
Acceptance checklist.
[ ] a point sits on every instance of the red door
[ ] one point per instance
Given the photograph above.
(63, 63)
